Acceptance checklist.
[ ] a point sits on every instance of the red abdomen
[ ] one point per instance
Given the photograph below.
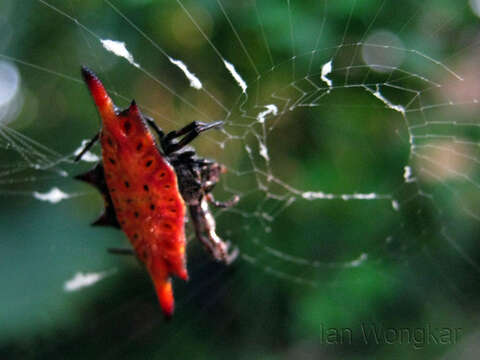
(144, 191)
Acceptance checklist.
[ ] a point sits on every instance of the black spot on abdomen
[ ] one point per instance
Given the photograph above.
(127, 126)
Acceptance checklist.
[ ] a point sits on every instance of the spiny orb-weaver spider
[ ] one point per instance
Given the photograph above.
(146, 189)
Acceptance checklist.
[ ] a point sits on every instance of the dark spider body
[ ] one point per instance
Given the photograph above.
(197, 178)
(146, 188)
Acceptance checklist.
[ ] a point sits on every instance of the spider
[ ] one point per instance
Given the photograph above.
(146, 187)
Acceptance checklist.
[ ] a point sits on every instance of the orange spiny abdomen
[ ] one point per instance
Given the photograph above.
(144, 191)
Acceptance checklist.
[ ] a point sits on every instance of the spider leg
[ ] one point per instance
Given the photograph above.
(220, 251)
(154, 126)
(232, 255)
(191, 131)
(204, 225)
(121, 251)
(223, 204)
(193, 126)
(87, 147)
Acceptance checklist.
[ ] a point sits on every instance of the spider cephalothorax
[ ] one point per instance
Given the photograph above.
(197, 178)
(146, 189)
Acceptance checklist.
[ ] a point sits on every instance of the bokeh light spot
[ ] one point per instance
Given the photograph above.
(382, 51)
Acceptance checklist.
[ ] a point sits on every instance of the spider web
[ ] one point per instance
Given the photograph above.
(361, 117)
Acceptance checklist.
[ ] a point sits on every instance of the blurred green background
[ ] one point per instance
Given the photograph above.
(314, 275)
